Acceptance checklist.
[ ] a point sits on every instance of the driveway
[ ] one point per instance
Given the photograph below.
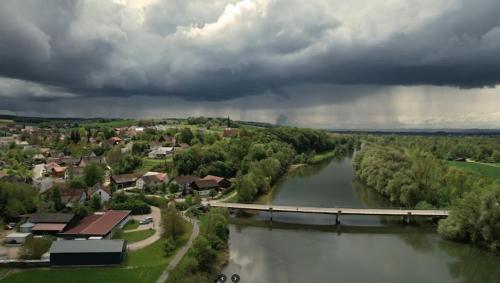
(156, 214)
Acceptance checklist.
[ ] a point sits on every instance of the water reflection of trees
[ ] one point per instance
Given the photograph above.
(470, 264)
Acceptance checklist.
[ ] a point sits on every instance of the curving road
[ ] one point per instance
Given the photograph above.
(156, 214)
(180, 254)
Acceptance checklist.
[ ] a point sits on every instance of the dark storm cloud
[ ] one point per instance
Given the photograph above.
(219, 50)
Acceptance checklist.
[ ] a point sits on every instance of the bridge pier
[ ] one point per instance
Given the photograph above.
(271, 214)
(407, 218)
(337, 216)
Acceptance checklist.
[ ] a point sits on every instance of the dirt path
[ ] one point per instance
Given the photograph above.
(180, 254)
(156, 214)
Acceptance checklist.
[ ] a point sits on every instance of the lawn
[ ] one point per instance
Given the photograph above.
(143, 266)
(488, 170)
(131, 225)
(148, 164)
(132, 237)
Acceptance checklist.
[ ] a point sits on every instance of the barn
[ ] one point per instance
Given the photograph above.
(87, 252)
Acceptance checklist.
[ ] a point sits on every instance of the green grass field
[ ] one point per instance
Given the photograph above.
(131, 225)
(491, 171)
(143, 266)
(137, 236)
(148, 164)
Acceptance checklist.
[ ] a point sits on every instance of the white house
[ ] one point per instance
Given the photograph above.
(102, 192)
(151, 179)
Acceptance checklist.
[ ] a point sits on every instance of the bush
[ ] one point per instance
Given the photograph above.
(136, 205)
(170, 246)
(34, 248)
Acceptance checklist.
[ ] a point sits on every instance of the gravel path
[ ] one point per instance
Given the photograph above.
(180, 254)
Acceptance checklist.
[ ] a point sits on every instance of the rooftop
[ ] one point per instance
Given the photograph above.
(51, 218)
(87, 246)
(99, 224)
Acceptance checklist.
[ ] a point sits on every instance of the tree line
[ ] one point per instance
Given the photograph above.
(412, 176)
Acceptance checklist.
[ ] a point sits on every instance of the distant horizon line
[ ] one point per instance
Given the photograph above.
(330, 129)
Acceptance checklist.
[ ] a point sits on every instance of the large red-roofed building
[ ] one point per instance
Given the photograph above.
(100, 225)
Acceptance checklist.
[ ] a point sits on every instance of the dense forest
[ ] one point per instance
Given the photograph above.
(412, 172)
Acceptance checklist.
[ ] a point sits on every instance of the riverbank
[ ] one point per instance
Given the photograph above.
(322, 156)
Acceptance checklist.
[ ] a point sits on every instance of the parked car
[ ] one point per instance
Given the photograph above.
(146, 220)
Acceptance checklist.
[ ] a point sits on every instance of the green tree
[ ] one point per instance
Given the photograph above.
(246, 187)
(204, 253)
(55, 197)
(169, 246)
(173, 223)
(185, 136)
(95, 202)
(93, 174)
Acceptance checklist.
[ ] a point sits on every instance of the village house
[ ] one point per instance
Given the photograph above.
(167, 139)
(73, 196)
(184, 181)
(124, 180)
(203, 187)
(53, 169)
(100, 191)
(221, 181)
(161, 152)
(151, 180)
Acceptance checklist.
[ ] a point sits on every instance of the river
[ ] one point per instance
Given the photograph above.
(310, 248)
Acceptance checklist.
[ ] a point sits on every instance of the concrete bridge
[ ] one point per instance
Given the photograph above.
(406, 213)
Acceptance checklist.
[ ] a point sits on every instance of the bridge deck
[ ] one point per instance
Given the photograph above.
(334, 210)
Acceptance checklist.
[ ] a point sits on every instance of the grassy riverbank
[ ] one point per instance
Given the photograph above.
(143, 266)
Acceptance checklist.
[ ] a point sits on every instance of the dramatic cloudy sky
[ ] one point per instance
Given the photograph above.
(319, 63)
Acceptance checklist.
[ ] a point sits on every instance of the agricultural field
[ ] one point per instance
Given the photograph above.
(491, 170)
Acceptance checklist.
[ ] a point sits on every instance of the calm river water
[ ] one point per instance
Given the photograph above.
(360, 249)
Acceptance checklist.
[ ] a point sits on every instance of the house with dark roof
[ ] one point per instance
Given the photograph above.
(167, 139)
(98, 225)
(89, 252)
(185, 181)
(51, 223)
(125, 180)
(72, 196)
(203, 187)
(151, 180)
